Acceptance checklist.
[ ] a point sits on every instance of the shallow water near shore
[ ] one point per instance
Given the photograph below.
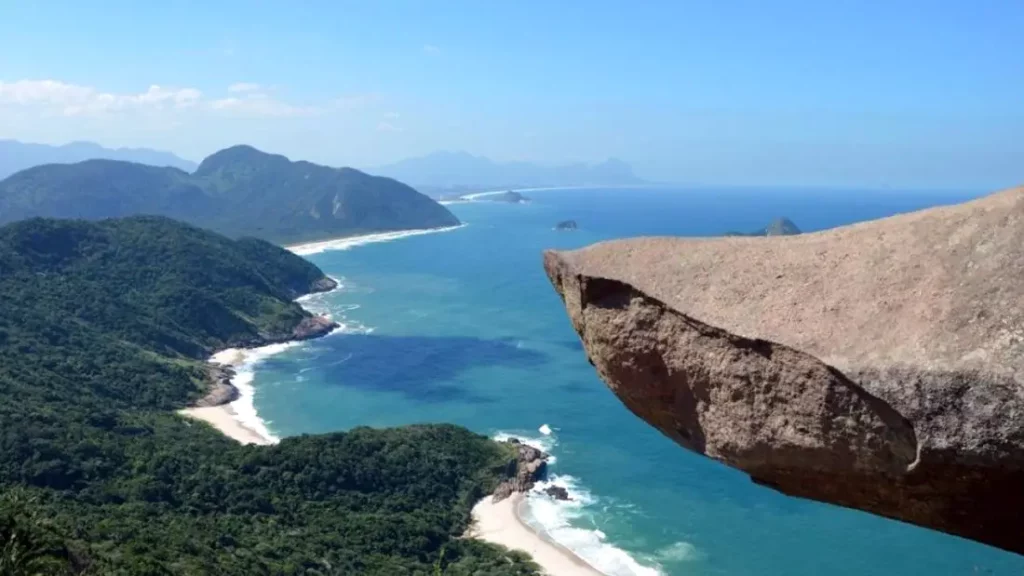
(463, 327)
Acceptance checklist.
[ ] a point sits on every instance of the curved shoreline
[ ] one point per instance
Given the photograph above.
(502, 523)
(346, 242)
(229, 416)
(234, 413)
(495, 522)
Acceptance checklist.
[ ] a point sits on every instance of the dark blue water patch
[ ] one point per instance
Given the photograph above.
(572, 345)
(580, 386)
(653, 498)
(423, 368)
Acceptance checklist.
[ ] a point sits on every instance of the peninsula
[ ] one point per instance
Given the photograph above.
(239, 191)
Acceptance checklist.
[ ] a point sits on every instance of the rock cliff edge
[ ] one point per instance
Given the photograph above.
(877, 366)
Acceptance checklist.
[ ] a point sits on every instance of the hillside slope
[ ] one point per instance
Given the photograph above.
(238, 191)
(102, 334)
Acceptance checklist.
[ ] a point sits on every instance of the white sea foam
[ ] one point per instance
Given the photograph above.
(680, 552)
(245, 362)
(353, 241)
(555, 517)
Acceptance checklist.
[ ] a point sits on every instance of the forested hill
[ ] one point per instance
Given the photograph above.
(239, 191)
(103, 329)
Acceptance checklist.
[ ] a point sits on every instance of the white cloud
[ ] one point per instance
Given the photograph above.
(239, 87)
(50, 97)
(75, 100)
(431, 49)
(388, 127)
(262, 105)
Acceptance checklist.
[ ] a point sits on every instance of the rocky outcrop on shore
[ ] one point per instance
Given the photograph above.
(313, 327)
(878, 366)
(324, 284)
(524, 470)
(218, 377)
(222, 391)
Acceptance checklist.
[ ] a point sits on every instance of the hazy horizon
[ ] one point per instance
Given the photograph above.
(865, 95)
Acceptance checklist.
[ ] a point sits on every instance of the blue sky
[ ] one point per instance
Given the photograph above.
(920, 94)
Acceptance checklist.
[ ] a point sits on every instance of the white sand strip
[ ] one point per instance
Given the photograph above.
(347, 242)
(223, 419)
(499, 523)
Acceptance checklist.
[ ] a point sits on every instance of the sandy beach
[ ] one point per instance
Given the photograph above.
(499, 523)
(223, 419)
(346, 242)
(495, 522)
(226, 417)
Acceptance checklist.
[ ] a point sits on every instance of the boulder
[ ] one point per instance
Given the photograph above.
(876, 366)
(558, 493)
(527, 467)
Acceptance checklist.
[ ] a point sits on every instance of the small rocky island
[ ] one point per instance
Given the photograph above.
(566, 225)
(509, 197)
(777, 227)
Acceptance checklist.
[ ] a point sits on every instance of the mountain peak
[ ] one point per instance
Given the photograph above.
(239, 154)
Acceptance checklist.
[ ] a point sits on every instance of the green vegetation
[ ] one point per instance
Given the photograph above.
(777, 227)
(102, 331)
(239, 191)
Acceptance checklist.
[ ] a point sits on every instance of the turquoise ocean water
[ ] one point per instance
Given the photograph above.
(464, 327)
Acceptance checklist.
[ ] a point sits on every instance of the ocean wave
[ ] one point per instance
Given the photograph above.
(245, 362)
(557, 518)
(679, 552)
(339, 284)
(353, 241)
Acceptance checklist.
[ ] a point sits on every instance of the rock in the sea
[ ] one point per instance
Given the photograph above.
(777, 227)
(510, 196)
(877, 366)
(558, 493)
(566, 225)
(528, 466)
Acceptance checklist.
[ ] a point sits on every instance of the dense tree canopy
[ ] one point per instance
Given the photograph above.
(103, 329)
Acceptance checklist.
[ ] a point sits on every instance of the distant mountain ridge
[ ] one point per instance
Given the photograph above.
(16, 156)
(239, 191)
(454, 170)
